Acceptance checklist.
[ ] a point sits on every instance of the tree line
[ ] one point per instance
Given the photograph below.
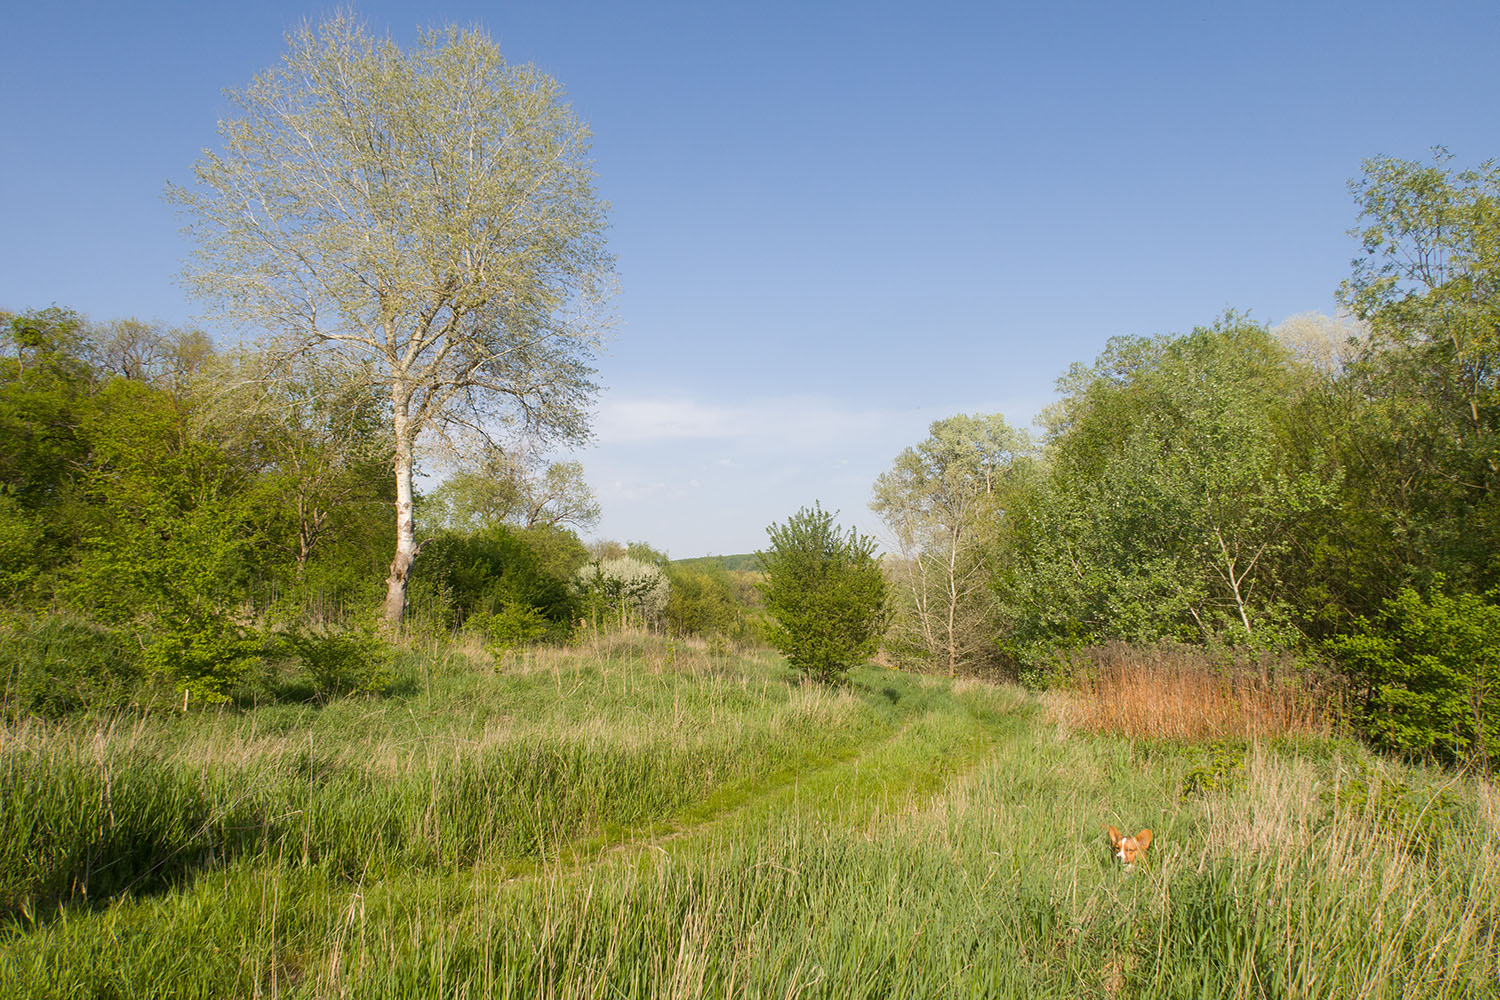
(1326, 487)
(173, 511)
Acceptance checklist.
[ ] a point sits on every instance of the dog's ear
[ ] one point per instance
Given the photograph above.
(1114, 836)
(1143, 839)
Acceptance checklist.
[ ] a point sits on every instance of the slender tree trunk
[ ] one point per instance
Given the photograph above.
(304, 535)
(953, 540)
(918, 582)
(1234, 583)
(406, 541)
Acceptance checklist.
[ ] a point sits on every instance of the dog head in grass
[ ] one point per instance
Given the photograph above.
(1129, 851)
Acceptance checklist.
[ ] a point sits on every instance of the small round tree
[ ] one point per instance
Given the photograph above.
(826, 593)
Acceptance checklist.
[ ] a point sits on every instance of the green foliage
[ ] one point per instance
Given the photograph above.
(1172, 502)
(716, 596)
(1429, 672)
(1416, 421)
(202, 653)
(1431, 262)
(513, 625)
(483, 573)
(55, 664)
(352, 659)
(46, 383)
(644, 552)
(432, 217)
(702, 602)
(825, 592)
(942, 500)
(1225, 764)
(748, 562)
(22, 535)
(321, 447)
(513, 488)
(558, 551)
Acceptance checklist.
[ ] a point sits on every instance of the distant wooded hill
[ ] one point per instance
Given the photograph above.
(747, 561)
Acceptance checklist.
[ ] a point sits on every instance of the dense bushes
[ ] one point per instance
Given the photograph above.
(168, 506)
(1297, 490)
(59, 664)
(1428, 673)
(500, 571)
(702, 602)
(56, 664)
(349, 660)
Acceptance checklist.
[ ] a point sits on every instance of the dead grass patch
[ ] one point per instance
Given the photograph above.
(1181, 692)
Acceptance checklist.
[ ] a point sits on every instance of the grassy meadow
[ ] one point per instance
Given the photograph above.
(636, 817)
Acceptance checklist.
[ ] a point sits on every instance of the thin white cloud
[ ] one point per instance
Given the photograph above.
(790, 423)
(694, 475)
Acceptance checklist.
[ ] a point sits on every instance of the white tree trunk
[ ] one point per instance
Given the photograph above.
(954, 539)
(406, 540)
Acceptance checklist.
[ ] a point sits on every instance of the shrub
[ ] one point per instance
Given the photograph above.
(201, 652)
(627, 586)
(514, 625)
(1429, 671)
(825, 592)
(352, 660)
(21, 537)
(701, 602)
(459, 576)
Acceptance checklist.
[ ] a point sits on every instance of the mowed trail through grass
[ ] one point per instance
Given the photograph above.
(643, 819)
(938, 740)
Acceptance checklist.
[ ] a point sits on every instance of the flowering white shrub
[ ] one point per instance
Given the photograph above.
(626, 584)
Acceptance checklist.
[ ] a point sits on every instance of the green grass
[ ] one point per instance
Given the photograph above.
(646, 820)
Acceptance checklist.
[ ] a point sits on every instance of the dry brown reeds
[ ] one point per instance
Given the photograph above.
(1183, 692)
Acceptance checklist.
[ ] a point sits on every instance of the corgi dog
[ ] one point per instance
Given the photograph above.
(1129, 851)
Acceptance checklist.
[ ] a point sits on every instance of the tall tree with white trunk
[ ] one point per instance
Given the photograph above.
(938, 499)
(421, 219)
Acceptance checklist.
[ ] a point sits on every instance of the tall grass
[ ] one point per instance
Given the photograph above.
(948, 844)
(474, 767)
(1183, 692)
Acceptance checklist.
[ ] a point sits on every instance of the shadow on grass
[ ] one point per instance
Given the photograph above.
(134, 861)
(284, 685)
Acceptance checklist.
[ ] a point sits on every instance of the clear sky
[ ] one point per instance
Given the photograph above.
(834, 223)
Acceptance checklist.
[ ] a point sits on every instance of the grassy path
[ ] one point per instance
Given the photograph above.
(916, 762)
(939, 739)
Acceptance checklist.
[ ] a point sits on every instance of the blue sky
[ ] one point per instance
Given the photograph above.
(834, 223)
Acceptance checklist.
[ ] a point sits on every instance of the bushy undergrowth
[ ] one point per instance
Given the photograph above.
(1428, 675)
(349, 660)
(486, 572)
(513, 625)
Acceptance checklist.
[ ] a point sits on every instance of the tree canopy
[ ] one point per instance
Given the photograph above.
(940, 500)
(423, 221)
